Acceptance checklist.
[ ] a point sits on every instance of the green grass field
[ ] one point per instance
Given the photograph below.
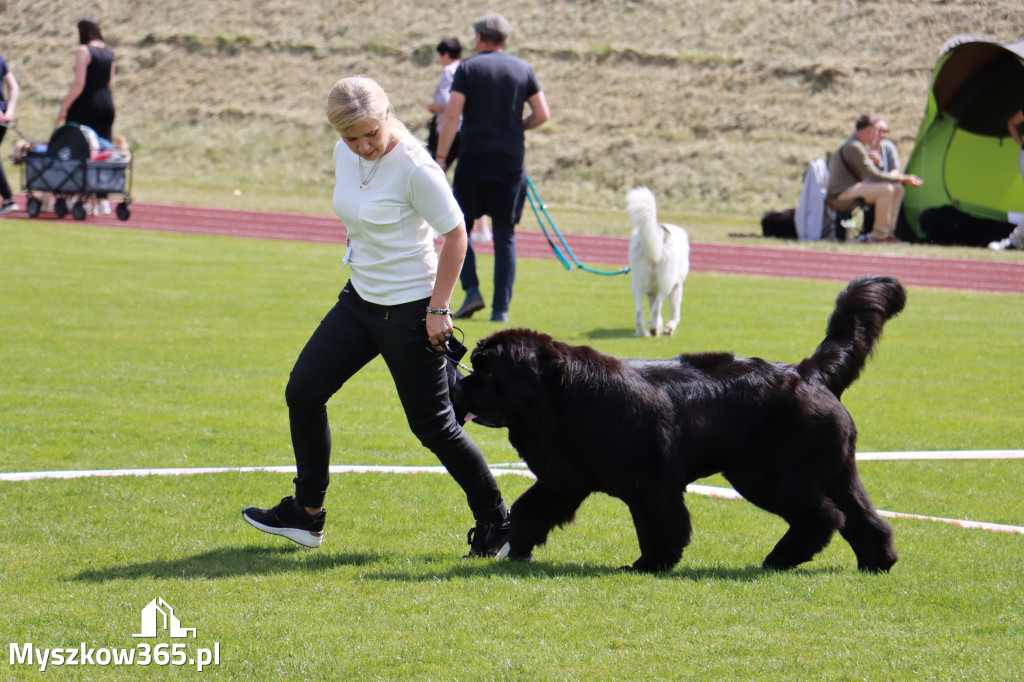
(129, 349)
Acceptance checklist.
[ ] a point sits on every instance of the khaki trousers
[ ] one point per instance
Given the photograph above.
(886, 197)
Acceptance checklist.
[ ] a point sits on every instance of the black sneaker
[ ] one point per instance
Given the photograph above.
(288, 520)
(473, 303)
(488, 539)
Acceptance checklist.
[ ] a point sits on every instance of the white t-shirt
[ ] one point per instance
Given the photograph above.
(443, 91)
(388, 224)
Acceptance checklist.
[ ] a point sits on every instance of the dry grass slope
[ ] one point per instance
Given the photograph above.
(716, 106)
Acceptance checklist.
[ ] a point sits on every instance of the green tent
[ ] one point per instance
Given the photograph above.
(963, 150)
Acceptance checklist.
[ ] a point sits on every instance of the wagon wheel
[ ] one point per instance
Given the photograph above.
(60, 207)
(78, 210)
(33, 206)
(124, 211)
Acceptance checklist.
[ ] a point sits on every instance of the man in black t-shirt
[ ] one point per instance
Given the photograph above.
(489, 92)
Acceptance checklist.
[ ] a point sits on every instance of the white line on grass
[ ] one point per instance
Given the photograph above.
(940, 454)
(187, 471)
(517, 469)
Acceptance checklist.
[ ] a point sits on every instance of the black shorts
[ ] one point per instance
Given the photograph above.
(491, 185)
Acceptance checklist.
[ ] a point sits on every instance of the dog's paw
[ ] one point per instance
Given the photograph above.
(776, 564)
(643, 565)
(881, 566)
(522, 553)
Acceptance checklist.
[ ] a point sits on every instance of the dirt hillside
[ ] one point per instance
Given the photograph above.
(716, 105)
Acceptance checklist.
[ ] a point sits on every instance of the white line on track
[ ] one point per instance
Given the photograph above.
(517, 469)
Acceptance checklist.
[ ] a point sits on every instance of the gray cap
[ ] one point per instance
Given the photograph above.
(493, 26)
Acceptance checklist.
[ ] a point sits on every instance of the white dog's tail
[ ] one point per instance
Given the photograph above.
(644, 215)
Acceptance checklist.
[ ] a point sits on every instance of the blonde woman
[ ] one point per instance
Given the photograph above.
(389, 193)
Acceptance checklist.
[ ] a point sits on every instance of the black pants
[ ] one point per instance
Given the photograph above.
(5, 189)
(352, 334)
(493, 186)
(453, 151)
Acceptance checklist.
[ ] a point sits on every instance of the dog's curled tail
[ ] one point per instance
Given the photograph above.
(862, 309)
(643, 213)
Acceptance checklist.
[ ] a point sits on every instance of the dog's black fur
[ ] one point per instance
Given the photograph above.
(779, 224)
(641, 430)
(949, 226)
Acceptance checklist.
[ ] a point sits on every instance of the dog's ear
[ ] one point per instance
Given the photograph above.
(551, 364)
(485, 346)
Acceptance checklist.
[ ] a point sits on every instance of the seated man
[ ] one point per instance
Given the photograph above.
(853, 175)
(883, 152)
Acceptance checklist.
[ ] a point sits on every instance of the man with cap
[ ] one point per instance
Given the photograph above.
(489, 91)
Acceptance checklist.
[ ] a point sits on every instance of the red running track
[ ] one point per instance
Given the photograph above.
(596, 250)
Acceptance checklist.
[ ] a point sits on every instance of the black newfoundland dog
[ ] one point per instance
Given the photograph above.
(641, 430)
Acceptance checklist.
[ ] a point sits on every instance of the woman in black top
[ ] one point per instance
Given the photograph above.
(89, 100)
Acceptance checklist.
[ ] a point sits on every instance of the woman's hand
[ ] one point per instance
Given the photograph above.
(449, 265)
(438, 329)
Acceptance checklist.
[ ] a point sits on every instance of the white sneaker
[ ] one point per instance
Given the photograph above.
(9, 206)
(1001, 245)
(103, 207)
(481, 235)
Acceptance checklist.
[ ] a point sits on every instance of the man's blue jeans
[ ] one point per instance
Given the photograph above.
(492, 185)
(504, 240)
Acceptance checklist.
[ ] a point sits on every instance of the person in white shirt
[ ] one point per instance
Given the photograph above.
(1014, 240)
(886, 157)
(389, 193)
(449, 55)
(883, 152)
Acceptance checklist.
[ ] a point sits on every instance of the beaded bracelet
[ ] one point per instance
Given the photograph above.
(439, 311)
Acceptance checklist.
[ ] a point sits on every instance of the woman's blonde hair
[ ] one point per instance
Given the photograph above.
(354, 100)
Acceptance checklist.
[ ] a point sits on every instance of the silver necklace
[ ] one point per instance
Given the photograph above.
(364, 180)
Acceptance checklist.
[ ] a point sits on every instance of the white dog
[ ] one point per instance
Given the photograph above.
(659, 258)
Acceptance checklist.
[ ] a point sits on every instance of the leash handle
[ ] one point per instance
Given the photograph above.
(531, 194)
